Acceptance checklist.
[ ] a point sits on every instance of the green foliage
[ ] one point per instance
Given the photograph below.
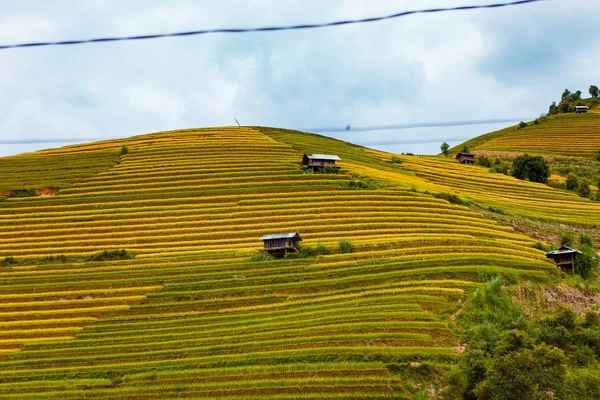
(583, 189)
(567, 239)
(396, 160)
(496, 210)
(321, 249)
(522, 125)
(27, 192)
(304, 251)
(532, 168)
(527, 374)
(452, 198)
(597, 155)
(465, 149)
(570, 100)
(540, 246)
(124, 150)
(328, 169)
(586, 240)
(594, 91)
(364, 184)
(483, 161)
(586, 263)
(108, 255)
(444, 148)
(8, 261)
(572, 181)
(345, 246)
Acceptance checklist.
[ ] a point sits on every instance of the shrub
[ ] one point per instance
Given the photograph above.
(586, 263)
(108, 255)
(322, 249)
(124, 150)
(532, 168)
(360, 184)
(328, 169)
(498, 169)
(345, 246)
(304, 251)
(465, 149)
(28, 192)
(396, 160)
(452, 198)
(583, 189)
(597, 155)
(585, 239)
(572, 181)
(522, 125)
(525, 374)
(496, 210)
(8, 261)
(483, 161)
(567, 239)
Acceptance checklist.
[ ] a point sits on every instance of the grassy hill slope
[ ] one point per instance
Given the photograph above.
(192, 316)
(574, 135)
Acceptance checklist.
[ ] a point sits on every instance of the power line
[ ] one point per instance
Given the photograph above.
(266, 28)
(320, 130)
(349, 128)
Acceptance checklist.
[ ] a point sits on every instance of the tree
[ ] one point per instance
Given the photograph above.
(572, 182)
(594, 91)
(533, 168)
(586, 263)
(522, 125)
(583, 189)
(565, 94)
(444, 147)
(465, 149)
(527, 374)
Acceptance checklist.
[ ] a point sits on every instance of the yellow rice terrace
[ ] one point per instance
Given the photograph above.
(132, 269)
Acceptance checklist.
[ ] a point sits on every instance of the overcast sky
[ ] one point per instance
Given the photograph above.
(483, 64)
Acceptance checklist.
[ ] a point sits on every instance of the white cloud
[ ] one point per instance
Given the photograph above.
(425, 68)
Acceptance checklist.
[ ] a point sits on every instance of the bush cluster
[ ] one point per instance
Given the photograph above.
(569, 100)
(510, 356)
(531, 168)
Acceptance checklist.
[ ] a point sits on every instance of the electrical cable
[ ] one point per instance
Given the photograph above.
(265, 28)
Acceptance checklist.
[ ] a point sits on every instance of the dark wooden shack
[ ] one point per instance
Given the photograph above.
(465, 158)
(279, 244)
(318, 161)
(564, 258)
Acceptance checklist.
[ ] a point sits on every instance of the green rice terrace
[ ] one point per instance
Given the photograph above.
(189, 310)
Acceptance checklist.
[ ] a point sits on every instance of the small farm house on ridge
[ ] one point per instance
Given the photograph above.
(564, 258)
(465, 158)
(279, 244)
(581, 109)
(319, 161)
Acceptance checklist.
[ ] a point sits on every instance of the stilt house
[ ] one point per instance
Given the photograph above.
(581, 109)
(564, 258)
(318, 161)
(465, 158)
(279, 244)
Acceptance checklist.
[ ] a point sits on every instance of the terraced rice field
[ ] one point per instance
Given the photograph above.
(190, 316)
(574, 135)
(532, 200)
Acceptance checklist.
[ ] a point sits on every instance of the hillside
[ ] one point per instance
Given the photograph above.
(192, 314)
(573, 135)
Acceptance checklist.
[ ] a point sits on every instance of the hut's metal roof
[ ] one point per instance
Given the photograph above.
(288, 235)
(331, 157)
(562, 250)
(465, 154)
(582, 107)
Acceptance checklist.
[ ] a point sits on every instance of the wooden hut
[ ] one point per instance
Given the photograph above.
(319, 161)
(465, 158)
(279, 244)
(581, 109)
(564, 258)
